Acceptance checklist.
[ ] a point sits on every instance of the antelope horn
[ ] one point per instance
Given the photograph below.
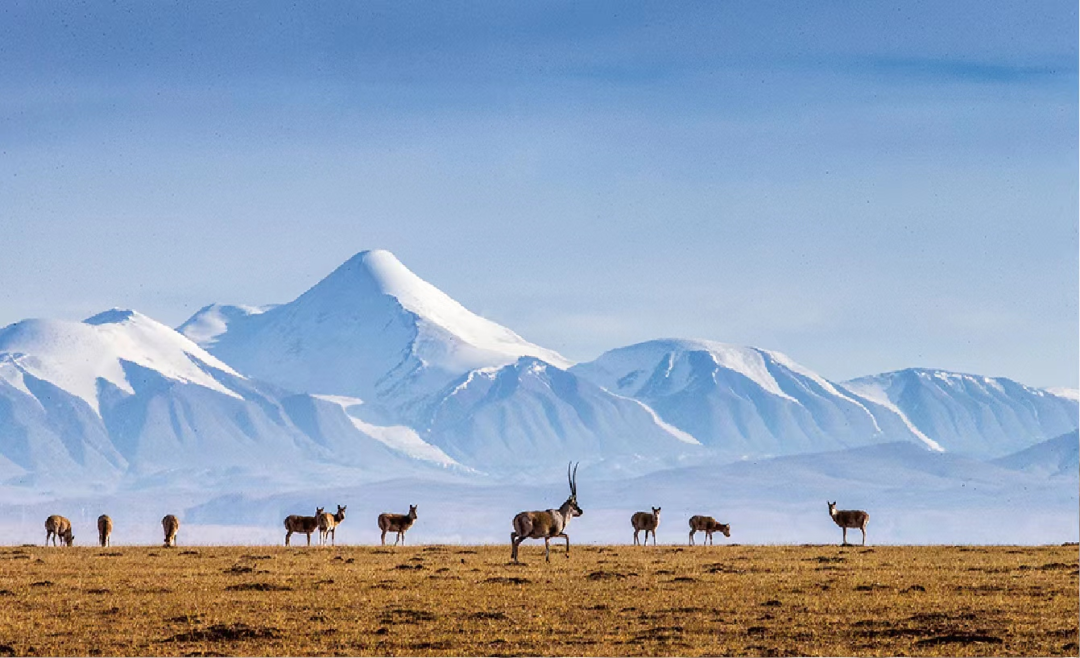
(573, 485)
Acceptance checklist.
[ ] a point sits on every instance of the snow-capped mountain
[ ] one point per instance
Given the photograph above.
(743, 401)
(532, 416)
(375, 375)
(211, 321)
(972, 414)
(480, 394)
(123, 396)
(375, 331)
(372, 330)
(81, 357)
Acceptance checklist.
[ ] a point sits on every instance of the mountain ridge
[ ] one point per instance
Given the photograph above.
(370, 329)
(373, 372)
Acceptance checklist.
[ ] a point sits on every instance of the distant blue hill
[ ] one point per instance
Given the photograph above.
(1058, 457)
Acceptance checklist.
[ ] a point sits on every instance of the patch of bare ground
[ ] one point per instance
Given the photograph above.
(604, 600)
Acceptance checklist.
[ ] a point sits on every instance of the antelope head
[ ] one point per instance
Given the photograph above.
(725, 528)
(832, 508)
(571, 502)
(341, 512)
(656, 512)
(319, 511)
(412, 511)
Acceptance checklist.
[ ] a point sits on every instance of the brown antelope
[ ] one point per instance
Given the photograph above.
(58, 526)
(170, 524)
(547, 524)
(708, 525)
(302, 524)
(849, 518)
(104, 530)
(328, 524)
(398, 523)
(647, 522)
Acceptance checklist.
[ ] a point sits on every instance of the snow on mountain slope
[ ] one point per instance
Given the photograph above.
(531, 416)
(432, 305)
(398, 437)
(981, 416)
(1057, 457)
(211, 321)
(878, 396)
(621, 369)
(1067, 393)
(75, 355)
(373, 330)
(743, 401)
(47, 433)
(120, 397)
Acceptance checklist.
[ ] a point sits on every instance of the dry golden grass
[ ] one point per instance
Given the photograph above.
(612, 600)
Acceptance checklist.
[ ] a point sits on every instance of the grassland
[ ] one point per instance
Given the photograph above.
(604, 600)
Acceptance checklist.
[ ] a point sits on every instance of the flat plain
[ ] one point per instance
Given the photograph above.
(603, 600)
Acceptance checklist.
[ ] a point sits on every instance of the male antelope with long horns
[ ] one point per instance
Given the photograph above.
(547, 524)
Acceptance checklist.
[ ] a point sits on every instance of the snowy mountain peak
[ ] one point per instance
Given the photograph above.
(212, 320)
(744, 400)
(945, 380)
(113, 316)
(370, 329)
(379, 272)
(73, 356)
(382, 270)
(973, 414)
(1067, 393)
(628, 370)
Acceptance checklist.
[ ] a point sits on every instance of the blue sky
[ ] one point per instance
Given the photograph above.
(863, 186)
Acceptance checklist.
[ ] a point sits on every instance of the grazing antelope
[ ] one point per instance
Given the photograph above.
(104, 530)
(302, 524)
(328, 524)
(708, 525)
(647, 522)
(58, 526)
(547, 524)
(849, 518)
(170, 524)
(398, 523)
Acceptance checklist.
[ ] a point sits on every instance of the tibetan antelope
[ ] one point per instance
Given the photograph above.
(302, 524)
(849, 518)
(398, 523)
(547, 524)
(328, 524)
(58, 526)
(708, 525)
(647, 522)
(170, 524)
(104, 530)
